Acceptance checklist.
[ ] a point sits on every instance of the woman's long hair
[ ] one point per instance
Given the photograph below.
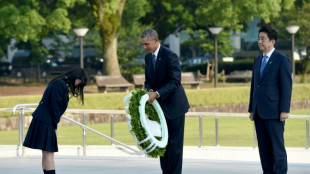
(70, 77)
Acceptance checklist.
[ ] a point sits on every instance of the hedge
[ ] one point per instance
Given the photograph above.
(236, 65)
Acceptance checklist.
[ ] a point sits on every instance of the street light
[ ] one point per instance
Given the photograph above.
(215, 31)
(292, 29)
(81, 33)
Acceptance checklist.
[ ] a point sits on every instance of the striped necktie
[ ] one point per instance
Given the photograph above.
(154, 61)
(263, 65)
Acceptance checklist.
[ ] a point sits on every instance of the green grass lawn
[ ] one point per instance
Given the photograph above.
(233, 131)
(301, 112)
(201, 97)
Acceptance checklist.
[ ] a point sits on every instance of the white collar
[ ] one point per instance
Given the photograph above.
(157, 50)
(270, 53)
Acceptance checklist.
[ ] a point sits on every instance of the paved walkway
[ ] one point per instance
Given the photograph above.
(133, 165)
(111, 160)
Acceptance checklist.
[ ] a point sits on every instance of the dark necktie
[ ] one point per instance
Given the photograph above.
(262, 67)
(154, 61)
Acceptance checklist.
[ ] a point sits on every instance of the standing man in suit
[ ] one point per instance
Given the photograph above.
(163, 81)
(270, 100)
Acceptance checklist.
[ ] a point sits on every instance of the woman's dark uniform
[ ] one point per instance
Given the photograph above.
(42, 130)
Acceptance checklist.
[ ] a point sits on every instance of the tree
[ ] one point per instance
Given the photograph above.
(194, 17)
(115, 32)
(29, 21)
(233, 16)
(108, 15)
(299, 15)
(103, 18)
(130, 52)
(169, 16)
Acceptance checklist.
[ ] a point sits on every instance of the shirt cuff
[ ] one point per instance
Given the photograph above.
(157, 94)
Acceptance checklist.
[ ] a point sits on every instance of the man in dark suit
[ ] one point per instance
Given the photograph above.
(163, 81)
(270, 100)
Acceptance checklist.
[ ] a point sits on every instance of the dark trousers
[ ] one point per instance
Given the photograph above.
(172, 161)
(271, 145)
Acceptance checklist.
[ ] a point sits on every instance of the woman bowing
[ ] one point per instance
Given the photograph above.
(42, 130)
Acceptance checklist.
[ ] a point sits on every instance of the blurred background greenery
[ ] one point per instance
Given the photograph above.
(38, 42)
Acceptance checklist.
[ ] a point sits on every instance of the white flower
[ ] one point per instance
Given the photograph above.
(127, 100)
(128, 118)
(154, 126)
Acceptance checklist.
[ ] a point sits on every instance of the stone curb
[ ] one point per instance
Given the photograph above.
(295, 155)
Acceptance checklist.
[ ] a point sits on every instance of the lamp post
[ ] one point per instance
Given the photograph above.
(292, 29)
(215, 31)
(81, 33)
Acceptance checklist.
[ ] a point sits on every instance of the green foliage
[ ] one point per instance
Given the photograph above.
(232, 16)
(107, 12)
(302, 67)
(30, 21)
(194, 18)
(21, 22)
(137, 128)
(169, 16)
(36, 56)
(82, 15)
(212, 13)
(203, 39)
(129, 46)
(62, 25)
(239, 65)
(233, 131)
(67, 3)
(299, 15)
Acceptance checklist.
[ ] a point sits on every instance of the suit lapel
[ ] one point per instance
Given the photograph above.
(150, 68)
(269, 64)
(158, 61)
(257, 67)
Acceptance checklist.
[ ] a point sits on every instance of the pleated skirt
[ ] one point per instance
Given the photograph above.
(41, 136)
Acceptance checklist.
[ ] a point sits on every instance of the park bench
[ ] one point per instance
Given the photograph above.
(117, 81)
(239, 76)
(188, 78)
(138, 80)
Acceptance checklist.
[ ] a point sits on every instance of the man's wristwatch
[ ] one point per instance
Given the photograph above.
(157, 94)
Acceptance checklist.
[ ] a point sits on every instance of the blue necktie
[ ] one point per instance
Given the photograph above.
(262, 67)
(154, 61)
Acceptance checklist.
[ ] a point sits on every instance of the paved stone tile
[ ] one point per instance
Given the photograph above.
(133, 165)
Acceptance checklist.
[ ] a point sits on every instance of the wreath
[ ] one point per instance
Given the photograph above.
(132, 104)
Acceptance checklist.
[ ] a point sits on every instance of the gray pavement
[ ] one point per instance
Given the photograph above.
(134, 165)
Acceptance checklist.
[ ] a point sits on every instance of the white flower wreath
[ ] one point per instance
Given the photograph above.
(147, 123)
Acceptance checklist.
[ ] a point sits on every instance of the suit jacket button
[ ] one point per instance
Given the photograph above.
(41, 102)
(258, 86)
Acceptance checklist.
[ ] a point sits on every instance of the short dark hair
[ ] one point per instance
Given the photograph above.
(271, 33)
(149, 33)
(70, 77)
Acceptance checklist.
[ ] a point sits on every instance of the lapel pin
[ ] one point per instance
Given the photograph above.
(270, 63)
(159, 59)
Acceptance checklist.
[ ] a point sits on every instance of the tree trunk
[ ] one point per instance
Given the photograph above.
(109, 22)
(110, 64)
